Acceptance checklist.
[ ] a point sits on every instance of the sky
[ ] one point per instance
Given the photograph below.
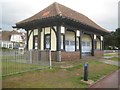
(119, 14)
(102, 12)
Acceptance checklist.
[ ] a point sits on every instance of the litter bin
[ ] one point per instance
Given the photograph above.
(85, 72)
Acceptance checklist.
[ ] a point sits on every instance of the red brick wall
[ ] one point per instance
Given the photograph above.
(73, 55)
(70, 55)
(99, 53)
(66, 55)
(54, 55)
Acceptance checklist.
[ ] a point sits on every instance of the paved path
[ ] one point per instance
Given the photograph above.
(110, 62)
(110, 81)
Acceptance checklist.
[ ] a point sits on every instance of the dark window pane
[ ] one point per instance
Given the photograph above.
(66, 42)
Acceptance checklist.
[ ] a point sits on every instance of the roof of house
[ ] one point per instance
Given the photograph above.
(56, 9)
(6, 35)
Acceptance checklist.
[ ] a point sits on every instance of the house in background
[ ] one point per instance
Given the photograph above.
(67, 33)
(12, 39)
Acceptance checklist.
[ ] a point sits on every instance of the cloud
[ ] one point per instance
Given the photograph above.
(13, 12)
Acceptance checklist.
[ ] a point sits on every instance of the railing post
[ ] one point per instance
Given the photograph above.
(50, 63)
(30, 56)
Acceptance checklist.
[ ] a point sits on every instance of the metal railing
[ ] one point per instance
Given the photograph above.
(15, 61)
(0, 72)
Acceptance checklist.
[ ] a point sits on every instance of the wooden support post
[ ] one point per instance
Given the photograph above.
(93, 45)
(75, 42)
(100, 45)
(80, 45)
(39, 38)
(58, 43)
(64, 42)
(64, 39)
(27, 39)
(103, 44)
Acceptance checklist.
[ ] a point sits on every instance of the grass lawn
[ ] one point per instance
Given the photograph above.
(16, 67)
(0, 78)
(58, 77)
(115, 59)
(111, 54)
(12, 64)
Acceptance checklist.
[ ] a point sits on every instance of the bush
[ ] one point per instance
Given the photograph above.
(107, 48)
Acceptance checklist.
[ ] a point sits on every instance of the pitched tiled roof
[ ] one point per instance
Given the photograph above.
(58, 9)
(5, 35)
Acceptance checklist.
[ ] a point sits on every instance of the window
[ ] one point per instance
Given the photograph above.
(88, 43)
(72, 43)
(47, 41)
(66, 42)
(86, 47)
(4, 45)
(35, 44)
(10, 45)
(83, 44)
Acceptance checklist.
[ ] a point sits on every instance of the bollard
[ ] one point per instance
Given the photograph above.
(85, 72)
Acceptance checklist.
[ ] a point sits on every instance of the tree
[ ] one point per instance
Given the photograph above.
(118, 38)
(112, 39)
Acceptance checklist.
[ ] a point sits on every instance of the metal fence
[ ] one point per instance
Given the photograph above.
(15, 61)
(0, 72)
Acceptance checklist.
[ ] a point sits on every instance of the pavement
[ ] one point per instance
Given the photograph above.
(110, 62)
(110, 81)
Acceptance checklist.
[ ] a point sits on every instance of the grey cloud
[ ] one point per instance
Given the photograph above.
(110, 22)
(12, 13)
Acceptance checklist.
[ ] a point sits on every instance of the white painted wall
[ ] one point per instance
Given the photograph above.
(53, 40)
(98, 44)
(86, 44)
(42, 39)
(35, 31)
(16, 38)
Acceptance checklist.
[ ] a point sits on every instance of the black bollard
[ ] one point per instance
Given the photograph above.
(85, 72)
